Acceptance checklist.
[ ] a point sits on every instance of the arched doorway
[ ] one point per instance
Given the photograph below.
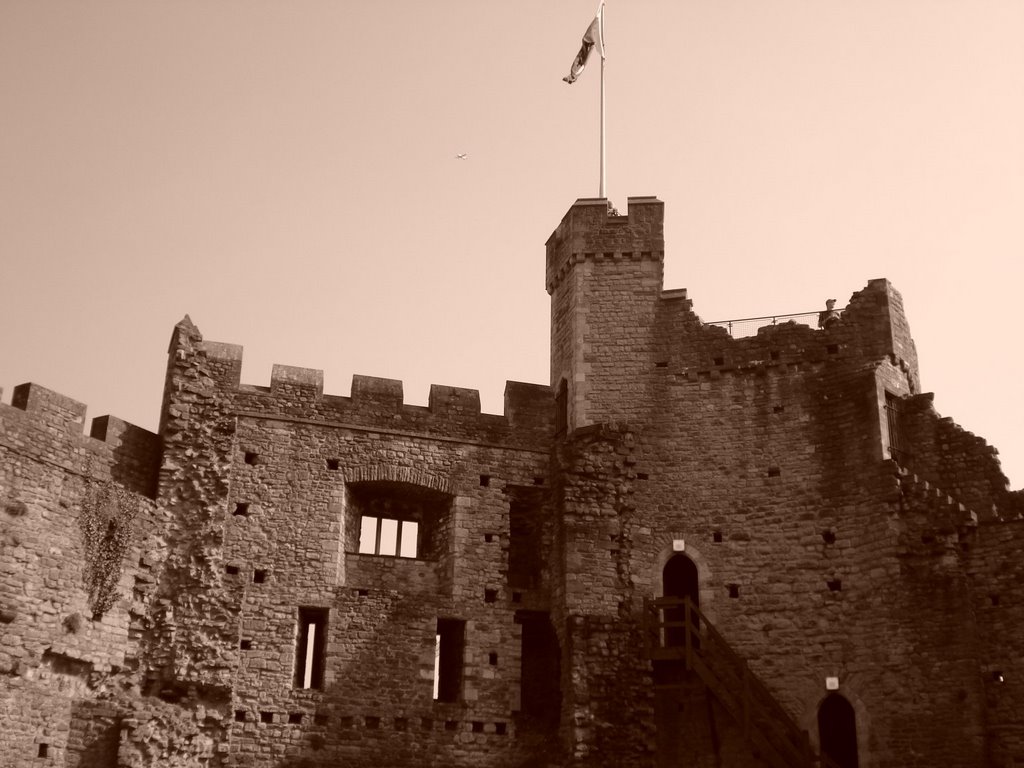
(679, 580)
(837, 731)
(682, 712)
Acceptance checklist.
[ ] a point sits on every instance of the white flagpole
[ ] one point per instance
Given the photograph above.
(600, 12)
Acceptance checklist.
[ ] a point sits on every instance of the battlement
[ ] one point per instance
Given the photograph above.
(48, 425)
(938, 447)
(593, 231)
(872, 328)
(55, 409)
(197, 366)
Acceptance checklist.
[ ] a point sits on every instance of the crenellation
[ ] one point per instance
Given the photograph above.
(373, 390)
(50, 407)
(447, 401)
(304, 383)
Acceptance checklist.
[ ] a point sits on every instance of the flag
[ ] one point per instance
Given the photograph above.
(593, 36)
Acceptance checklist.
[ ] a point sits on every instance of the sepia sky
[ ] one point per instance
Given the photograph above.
(285, 173)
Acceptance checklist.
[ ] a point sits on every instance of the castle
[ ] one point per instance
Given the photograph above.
(689, 549)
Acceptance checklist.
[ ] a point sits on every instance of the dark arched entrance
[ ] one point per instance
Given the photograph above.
(681, 706)
(679, 580)
(837, 731)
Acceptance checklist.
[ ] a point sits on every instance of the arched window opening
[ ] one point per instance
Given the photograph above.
(679, 580)
(837, 731)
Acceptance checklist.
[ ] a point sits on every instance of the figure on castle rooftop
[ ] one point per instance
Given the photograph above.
(830, 316)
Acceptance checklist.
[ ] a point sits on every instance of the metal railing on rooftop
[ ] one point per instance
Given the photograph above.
(747, 326)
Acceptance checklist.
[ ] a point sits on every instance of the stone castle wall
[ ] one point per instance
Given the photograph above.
(158, 591)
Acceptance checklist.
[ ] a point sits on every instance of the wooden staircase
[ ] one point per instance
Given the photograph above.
(676, 630)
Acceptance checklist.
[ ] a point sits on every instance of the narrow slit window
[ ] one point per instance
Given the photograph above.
(894, 421)
(409, 531)
(449, 649)
(368, 536)
(387, 541)
(309, 651)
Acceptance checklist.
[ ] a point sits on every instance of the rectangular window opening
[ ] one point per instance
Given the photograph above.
(525, 562)
(894, 421)
(309, 652)
(388, 537)
(449, 650)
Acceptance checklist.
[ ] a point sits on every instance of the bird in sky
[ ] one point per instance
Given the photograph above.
(462, 156)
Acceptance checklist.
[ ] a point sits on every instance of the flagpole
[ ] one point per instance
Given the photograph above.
(601, 23)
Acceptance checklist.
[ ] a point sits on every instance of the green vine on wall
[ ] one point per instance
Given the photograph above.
(108, 511)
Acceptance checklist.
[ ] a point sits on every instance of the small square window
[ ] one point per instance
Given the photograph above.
(333, 464)
(241, 509)
(294, 718)
(259, 576)
(239, 715)
(251, 457)
(266, 717)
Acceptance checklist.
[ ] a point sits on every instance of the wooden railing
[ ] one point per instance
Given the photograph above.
(675, 629)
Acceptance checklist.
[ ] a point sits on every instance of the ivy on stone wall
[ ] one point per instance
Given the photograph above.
(108, 511)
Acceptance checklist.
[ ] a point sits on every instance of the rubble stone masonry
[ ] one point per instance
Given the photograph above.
(282, 577)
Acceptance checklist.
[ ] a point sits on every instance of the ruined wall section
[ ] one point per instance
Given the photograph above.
(298, 478)
(771, 478)
(872, 329)
(942, 451)
(928, 670)
(267, 485)
(997, 578)
(194, 634)
(607, 709)
(80, 544)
